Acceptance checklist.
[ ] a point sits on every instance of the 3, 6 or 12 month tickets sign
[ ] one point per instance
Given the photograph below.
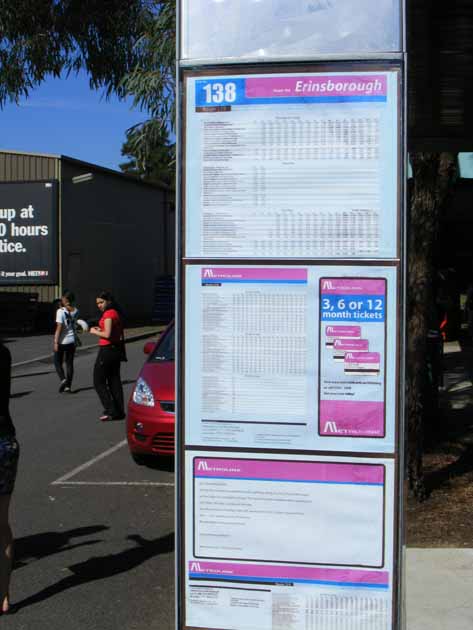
(291, 357)
(352, 356)
(299, 543)
(292, 165)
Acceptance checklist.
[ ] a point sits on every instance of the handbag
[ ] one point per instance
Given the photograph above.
(122, 349)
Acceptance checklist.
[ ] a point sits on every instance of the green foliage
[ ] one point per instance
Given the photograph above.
(159, 166)
(151, 83)
(46, 37)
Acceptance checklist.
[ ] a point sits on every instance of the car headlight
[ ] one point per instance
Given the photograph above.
(142, 394)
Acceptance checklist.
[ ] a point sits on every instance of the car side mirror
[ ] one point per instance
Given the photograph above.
(149, 347)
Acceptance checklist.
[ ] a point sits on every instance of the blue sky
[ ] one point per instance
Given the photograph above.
(64, 116)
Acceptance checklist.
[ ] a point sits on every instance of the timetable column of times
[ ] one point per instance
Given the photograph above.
(254, 350)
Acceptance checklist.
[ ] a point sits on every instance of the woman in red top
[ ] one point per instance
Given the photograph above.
(107, 381)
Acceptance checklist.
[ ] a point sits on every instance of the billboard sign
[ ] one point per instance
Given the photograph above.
(28, 233)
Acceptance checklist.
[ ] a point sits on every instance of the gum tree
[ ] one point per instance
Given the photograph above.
(40, 38)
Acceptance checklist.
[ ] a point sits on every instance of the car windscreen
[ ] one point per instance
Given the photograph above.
(164, 350)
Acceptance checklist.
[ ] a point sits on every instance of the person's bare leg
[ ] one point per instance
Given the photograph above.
(6, 553)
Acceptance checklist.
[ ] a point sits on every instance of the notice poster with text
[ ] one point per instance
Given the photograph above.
(292, 165)
(291, 357)
(273, 543)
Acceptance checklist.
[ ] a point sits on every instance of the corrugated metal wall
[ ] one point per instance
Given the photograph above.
(16, 167)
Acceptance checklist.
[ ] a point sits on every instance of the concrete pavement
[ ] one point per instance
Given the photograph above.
(439, 589)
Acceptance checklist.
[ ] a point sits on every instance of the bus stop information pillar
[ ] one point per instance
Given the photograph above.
(290, 315)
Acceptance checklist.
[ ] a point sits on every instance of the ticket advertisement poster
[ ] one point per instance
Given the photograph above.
(292, 165)
(300, 543)
(291, 357)
(352, 356)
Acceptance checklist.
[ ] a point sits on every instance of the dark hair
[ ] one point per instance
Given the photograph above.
(69, 296)
(108, 297)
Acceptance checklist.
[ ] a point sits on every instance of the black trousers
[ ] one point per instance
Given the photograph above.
(107, 381)
(65, 351)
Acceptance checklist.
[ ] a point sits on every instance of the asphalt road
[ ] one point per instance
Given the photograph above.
(94, 531)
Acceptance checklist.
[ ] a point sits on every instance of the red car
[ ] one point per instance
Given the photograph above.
(150, 419)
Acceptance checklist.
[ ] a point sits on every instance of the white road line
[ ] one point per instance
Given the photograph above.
(112, 483)
(131, 339)
(44, 357)
(88, 464)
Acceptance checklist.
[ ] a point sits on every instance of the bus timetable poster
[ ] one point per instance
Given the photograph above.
(293, 165)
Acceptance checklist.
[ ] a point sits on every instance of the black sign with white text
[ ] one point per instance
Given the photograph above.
(28, 233)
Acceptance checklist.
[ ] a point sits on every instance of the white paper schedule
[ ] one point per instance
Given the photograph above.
(284, 166)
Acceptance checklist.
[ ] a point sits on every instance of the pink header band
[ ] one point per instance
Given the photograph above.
(316, 85)
(352, 286)
(310, 472)
(228, 570)
(263, 274)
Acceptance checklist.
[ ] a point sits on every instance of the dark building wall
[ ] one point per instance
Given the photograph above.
(17, 167)
(116, 235)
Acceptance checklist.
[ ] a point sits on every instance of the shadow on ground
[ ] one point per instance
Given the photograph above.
(21, 394)
(88, 389)
(100, 567)
(46, 544)
(165, 463)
